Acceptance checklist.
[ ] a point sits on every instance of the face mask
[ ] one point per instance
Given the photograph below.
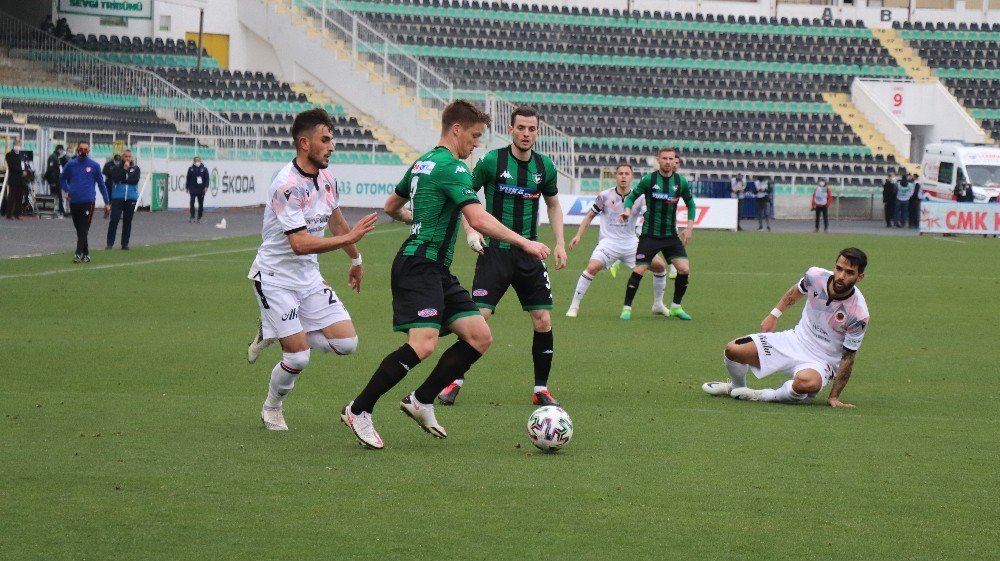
(84, 153)
(59, 152)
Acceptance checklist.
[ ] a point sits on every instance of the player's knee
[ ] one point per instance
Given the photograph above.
(683, 267)
(344, 345)
(542, 323)
(807, 381)
(480, 339)
(657, 267)
(295, 361)
(594, 267)
(734, 349)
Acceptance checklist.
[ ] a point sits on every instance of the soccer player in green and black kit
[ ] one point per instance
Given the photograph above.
(426, 297)
(662, 189)
(514, 178)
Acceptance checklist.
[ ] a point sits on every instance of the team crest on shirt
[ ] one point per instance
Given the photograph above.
(329, 188)
(88, 169)
(840, 315)
(427, 313)
(538, 178)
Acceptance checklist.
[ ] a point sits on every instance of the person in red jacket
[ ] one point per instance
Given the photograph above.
(820, 202)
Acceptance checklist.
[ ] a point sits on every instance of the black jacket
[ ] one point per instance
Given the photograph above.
(53, 168)
(192, 185)
(15, 169)
(888, 192)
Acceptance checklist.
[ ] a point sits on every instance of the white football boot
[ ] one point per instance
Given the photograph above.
(745, 394)
(717, 388)
(423, 415)
(273, 418)
(361, 425)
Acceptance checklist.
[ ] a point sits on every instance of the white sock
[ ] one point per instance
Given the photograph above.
(784, 394)
(539, 388)
(459, 382)
(283, 377)
(659, 287)
(674, 305)
(581, 288)
(737, 372)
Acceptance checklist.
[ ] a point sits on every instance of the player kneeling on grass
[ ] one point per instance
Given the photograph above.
(618, 241)
(297, 307)
(820, 348)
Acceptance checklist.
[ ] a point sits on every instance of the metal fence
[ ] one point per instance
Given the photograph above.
(552, 142)
(367, 44)
(87, 71)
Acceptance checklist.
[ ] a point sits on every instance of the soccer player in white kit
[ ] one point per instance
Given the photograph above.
(819, 349)
(617, 241)
(298, 307)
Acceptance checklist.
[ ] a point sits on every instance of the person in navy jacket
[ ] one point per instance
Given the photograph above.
(197, 182)
(124, 195)
(80, 178)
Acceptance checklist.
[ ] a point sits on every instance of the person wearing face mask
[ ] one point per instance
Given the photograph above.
(197, 182)
(18, 173)
(109, 169)
(80, 178)
(124, 194)
(820, 202)
(52, 171)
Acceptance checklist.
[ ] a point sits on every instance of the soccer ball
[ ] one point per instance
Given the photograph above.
(550, 428)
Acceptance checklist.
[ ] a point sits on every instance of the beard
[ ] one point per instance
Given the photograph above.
(320, 163)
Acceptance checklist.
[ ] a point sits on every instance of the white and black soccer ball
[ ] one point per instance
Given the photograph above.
(550, 428)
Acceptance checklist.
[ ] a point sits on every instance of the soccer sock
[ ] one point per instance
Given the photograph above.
(394, 368)
(581, 287)
(659, 287)
(541, 355)
(283, 377)
(737, 371)
(632, 288)
(454, 363)
(784, 394)
(680, 287)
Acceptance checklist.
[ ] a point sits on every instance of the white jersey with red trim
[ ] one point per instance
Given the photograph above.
(829, 326)
(609, 206)
(296, 201)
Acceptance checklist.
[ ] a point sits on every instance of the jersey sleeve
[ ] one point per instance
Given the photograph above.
(810, 278)
(485, 168)
(855, 333)
(403, 187)
(287, 204)
(550, 188)
(599, 201)
(688, 197)
(457, 184)
(637, 192)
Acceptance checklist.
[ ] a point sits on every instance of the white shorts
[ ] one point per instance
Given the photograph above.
(609, 250)
(783, 352)
(285, 312)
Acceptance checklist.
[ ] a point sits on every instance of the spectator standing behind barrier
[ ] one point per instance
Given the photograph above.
(79, 178)
(820, 202)
(19, 175)
(53, 169)
(762, 193)
(903, 193)
(124, 194)
(889, 198)
(963, 192)
(197, 182)
(914, 203)
(736, 187)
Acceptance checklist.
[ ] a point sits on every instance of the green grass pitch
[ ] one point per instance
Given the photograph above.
(130, 425)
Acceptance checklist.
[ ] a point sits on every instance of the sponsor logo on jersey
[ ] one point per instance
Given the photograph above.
(764, 345)
(288, 194)
(480, 292)
(415, 228)
(461, 169)
(427, 313)
(523, 192)
(666, 197)
(294, 313)
(506, 175)
(423, 167)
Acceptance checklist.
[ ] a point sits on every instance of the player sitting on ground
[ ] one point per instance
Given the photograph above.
(820, 348)
(617, 242)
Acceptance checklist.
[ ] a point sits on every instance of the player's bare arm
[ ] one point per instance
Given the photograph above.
(789, 299)
(584, 224)
(395, 207)
(484, 222)
(556, 220)
(304, 243)
(338, 226)
(841, 378)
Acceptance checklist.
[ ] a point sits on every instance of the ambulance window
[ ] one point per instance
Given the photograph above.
(945, 172)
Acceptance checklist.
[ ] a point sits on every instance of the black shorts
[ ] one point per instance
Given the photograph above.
(498, 269)
(671, 247)
(426, 294)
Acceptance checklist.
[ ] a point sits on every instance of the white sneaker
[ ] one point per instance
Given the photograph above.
(273, 417)
(423, 415)
(745, 394)
(572, 311)
(717, 388)
(661, 310)
(362, 426)
(258, 344)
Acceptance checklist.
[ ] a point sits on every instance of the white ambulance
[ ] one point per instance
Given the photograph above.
(951, 162)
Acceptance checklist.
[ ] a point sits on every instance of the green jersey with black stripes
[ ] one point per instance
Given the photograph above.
(512, 188)
(662, 195)
(438, 185)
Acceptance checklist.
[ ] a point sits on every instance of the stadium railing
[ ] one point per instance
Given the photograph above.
(552, 142)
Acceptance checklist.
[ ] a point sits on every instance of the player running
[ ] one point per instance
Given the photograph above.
(297, 306)
(513, 179)
(819, 349)
(617, 241)
(661, 189)
(426, 297)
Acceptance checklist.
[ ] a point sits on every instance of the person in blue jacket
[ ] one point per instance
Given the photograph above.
(197, 182)
(80, 178)
(124, 195)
